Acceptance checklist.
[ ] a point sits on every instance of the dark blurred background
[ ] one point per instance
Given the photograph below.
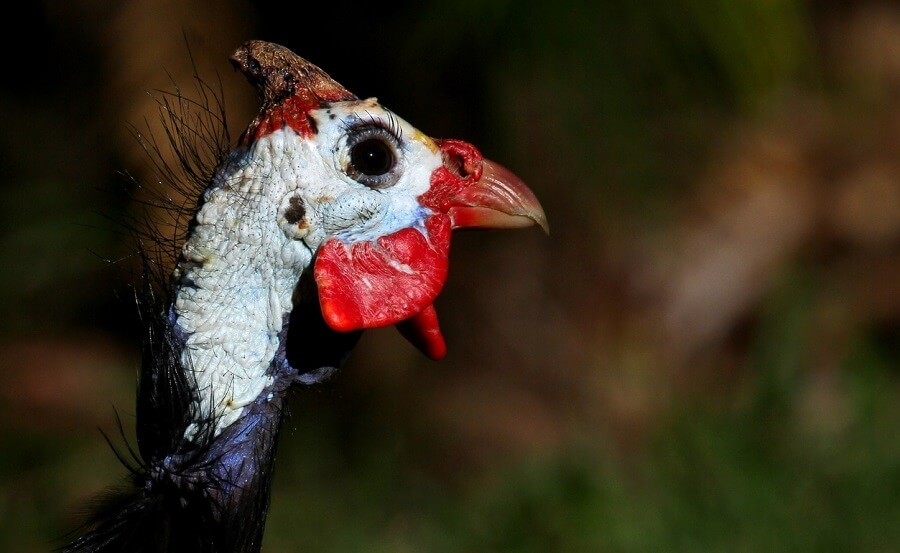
(703, 356)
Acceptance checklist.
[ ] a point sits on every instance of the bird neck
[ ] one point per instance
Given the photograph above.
(233, 294)
(233, 288)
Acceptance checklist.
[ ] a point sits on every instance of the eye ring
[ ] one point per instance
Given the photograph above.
(372, 156)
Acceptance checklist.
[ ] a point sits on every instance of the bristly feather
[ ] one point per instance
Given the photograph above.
(173, 500)
(196, 142)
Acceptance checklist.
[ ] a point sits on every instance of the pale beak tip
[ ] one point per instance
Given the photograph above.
(540, 220)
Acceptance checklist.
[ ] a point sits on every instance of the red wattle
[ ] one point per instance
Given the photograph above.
(374, 284)
(423, 331)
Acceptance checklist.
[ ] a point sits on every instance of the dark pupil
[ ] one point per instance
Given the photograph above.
(372, 157)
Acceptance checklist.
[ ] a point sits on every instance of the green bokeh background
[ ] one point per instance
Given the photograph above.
(571, 413)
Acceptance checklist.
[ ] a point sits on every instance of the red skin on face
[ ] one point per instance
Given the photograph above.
(466, 163)
(397, 277)
(292, 112)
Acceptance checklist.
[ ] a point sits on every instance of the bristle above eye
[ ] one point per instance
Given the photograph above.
(389, 122)
(394, 126)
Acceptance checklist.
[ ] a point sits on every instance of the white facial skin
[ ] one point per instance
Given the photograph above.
(337, 205)
(258, 230)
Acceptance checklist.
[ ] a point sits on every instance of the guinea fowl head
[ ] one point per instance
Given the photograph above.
(332, 215)
(371, 198)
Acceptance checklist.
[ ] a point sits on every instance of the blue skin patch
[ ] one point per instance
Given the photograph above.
(391, 220)
(242, 454)
(236, 160)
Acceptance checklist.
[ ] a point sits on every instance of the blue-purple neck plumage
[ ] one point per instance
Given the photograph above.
(333, 215)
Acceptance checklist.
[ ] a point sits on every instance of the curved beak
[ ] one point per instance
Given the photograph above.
(497, 200)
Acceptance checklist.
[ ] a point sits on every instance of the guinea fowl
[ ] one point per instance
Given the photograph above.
(331, 215)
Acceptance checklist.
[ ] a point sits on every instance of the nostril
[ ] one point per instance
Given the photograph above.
(462, 159)
(455, 164)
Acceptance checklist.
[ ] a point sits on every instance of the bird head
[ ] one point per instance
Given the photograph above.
(373, 198)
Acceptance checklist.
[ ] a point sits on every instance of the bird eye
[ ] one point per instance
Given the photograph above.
(373, 157)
